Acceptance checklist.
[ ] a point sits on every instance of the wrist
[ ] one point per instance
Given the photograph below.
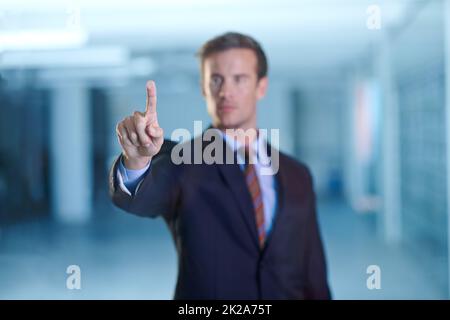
(136, 163)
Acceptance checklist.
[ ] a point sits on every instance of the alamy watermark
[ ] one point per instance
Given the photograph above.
(373, 21)
(219, 151)
(374, 280)
(73, 21)
(73, 281)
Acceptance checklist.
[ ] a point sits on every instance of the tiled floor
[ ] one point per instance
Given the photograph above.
(126, 257)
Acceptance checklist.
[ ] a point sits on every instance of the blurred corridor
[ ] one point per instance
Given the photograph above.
(359, 90)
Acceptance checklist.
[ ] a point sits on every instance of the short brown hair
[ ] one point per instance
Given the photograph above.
(234, 40)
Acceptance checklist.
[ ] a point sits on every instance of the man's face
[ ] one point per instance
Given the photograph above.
(231, 88)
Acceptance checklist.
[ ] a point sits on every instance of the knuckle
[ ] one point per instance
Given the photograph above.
(129, 124)
(139, 122)
(137, 115)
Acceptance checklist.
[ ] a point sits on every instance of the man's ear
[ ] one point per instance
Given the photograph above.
(261, 89)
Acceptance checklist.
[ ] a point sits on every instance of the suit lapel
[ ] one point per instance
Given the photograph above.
(235, 181)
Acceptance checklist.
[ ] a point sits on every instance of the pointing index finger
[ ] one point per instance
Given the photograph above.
(151, 98)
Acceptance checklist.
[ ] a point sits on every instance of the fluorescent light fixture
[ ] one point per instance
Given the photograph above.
(42, 39)
(82, 58)
(58, 76)
(136, 68)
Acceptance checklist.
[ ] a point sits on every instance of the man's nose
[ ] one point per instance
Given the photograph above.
(226, 89)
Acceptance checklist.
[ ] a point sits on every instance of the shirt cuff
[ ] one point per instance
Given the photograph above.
(129, 180)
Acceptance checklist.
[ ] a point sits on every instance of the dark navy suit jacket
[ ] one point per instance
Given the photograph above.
(209, 211)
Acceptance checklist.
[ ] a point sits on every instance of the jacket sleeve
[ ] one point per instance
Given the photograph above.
(158, 192)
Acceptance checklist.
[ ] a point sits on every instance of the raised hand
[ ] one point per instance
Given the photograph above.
(140, 135)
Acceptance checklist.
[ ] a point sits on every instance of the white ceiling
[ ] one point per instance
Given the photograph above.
(307, 35)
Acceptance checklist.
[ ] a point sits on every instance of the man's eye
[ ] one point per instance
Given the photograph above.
(240, 79)
(215, 80)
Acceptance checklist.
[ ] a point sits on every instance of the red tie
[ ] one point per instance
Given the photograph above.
(253, 185)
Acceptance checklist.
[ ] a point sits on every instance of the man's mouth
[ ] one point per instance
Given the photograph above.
(226, 108)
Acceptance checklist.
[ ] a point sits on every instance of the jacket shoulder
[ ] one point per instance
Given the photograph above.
(295, 168)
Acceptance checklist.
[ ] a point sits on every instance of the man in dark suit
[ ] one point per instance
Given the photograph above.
(241, 232)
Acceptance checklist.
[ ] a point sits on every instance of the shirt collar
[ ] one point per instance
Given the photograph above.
(259, 145)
